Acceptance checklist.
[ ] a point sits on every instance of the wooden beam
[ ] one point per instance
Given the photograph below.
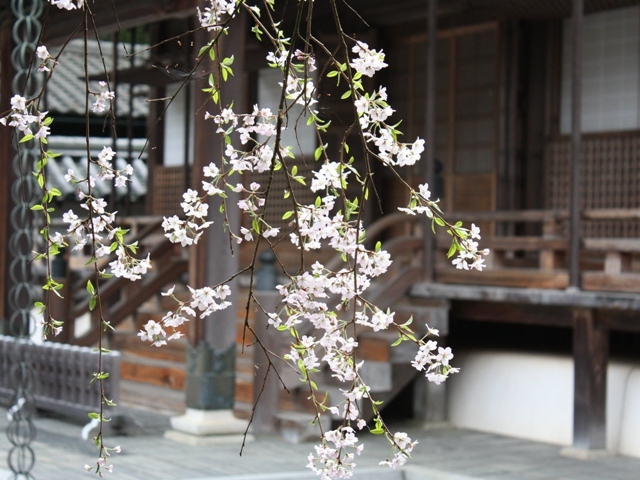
(591, 355)
(114, 16)
(619, 320)
(512, 313)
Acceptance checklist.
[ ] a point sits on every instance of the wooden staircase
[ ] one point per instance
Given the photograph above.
(150, 377)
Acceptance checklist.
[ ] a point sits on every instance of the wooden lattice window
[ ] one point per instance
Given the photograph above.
(168, 187)
(610, 179)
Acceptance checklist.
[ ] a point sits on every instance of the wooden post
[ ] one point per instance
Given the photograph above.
(430, 137)
(576, 145)
(591, 354)
(429, 399)
(211, 262)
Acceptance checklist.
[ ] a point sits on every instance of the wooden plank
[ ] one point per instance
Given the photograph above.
(591, 355)
(374, 347)
(602, 281)
(165, 376)
(523, 278)
(630, 245)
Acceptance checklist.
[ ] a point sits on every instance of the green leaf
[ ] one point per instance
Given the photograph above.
(26, 138)
(94, 415)
(397, 342)
(318, 153)
(378, 246)
(332, 73)
(294, 170)
(439, 221)
(92, 303)
(37, 207)
(287, 214)
(408, 322)
(346, 95)
(90, 288)
(452, 250)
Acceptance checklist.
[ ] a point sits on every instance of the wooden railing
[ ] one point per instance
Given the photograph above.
(120, 297)
(532, 251)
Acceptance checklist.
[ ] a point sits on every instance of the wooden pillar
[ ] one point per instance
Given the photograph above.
(6, 158)
(429, 399)
(591, 354)
(212, 262)
(576, 144)
(430, 137)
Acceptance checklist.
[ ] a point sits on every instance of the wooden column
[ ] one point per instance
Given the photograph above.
(576, 144)
(591, 354)
(430, 136)
(212, 262)
(6, 157)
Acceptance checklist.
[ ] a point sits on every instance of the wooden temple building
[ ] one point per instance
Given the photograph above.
(531, 114)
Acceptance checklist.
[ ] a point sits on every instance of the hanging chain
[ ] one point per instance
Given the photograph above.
(24, 192)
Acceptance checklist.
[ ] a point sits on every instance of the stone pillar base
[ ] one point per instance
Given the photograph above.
(584, 454)
(207, 427)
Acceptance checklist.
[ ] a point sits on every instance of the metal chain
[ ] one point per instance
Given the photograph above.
(21, 430)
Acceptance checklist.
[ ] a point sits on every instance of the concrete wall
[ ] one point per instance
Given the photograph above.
(530, 396)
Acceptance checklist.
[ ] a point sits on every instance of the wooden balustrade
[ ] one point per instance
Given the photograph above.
(537, 260)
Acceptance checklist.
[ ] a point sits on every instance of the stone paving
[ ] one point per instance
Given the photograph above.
(442, 454)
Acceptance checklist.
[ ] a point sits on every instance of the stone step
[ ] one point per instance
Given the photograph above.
(152, 397)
